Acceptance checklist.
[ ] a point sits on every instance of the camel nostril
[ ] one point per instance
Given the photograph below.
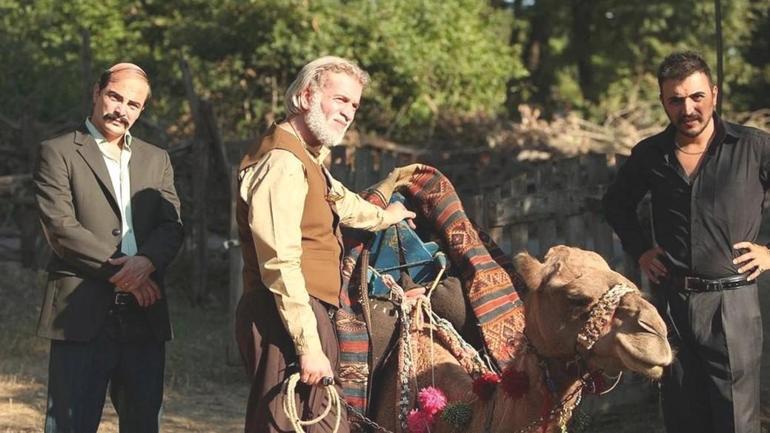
(650, 327)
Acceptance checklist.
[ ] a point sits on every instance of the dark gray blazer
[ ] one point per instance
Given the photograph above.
(81, 220)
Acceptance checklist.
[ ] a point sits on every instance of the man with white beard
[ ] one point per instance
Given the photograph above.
(289, 212)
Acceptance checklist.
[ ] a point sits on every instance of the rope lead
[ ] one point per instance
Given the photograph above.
(290, 405)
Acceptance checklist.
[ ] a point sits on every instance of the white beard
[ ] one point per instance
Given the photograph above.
(318, 125)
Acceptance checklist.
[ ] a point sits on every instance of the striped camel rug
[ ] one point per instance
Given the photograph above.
(486, 272)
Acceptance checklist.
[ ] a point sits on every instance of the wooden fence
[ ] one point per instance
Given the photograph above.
(523, 206)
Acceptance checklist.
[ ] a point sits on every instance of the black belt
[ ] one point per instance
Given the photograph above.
(124, 298)
(698, 284)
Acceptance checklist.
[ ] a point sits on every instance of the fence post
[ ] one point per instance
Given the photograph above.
(599, 174)
(546, 226)
(519, 233)
(387, 164)
(362, 176)
(235, 260)
(26, 211)
(574, 222)
(340, 169)
(490, 201)
(199, 184)
(475, 210)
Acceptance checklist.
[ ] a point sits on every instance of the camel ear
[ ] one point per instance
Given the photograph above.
(558, 274)
(530, 269)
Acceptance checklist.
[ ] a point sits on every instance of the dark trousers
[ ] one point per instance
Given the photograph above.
(267, 352)
(713, 384)
(128, 361)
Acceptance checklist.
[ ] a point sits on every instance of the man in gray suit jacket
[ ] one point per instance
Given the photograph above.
(110, 212)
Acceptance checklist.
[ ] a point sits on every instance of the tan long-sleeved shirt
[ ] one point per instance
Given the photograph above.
(275, 190)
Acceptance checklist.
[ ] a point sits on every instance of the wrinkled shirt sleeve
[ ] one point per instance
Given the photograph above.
(353, 210)
(275, 189)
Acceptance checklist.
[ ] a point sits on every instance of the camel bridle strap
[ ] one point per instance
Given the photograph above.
(594, 328)
(601, 314)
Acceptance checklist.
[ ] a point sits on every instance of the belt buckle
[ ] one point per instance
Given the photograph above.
(718, 285)
(121, 298)
(687, 284)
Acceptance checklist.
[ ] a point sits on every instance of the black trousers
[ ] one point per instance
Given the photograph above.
(713, 384)
(125, 357)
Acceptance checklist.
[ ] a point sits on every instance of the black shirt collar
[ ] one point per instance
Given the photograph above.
(725, 132)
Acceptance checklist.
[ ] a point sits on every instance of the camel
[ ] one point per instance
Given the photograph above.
(575, 336)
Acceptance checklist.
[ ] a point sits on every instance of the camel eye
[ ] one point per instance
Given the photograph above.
(578, 301)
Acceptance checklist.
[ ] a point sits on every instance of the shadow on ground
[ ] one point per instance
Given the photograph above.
(204, 394)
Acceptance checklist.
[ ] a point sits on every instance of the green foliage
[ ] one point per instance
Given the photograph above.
(602, 55)
(753, 88)
(40, 50)
(417, 53)
(434, 63)
(428, 59)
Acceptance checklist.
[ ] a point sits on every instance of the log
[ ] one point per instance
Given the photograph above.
(11, 185)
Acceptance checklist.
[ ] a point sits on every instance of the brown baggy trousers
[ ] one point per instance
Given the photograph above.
(266, 349)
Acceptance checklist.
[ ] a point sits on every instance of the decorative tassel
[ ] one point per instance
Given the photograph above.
(458, 415)
(432, 400)
(418, 421)
(515, 383)
(485, 385)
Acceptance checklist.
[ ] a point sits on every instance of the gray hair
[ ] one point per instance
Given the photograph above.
(312, 76)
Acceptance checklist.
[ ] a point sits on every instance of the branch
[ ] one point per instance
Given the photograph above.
(9, 122)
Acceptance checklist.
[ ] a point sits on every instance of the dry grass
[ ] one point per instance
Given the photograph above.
(203, 394)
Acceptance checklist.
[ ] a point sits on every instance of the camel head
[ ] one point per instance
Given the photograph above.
(569, 290)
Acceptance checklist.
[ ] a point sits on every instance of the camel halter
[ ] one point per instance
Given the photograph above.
(601, 314)
(594, 328)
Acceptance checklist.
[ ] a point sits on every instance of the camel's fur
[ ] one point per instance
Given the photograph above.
(562, 291)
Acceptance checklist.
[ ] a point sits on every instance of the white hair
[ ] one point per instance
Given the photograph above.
(312, 76)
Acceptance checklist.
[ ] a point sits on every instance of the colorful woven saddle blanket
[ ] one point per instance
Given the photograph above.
(487, 275)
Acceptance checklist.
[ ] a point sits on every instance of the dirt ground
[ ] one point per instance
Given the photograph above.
(204, 394)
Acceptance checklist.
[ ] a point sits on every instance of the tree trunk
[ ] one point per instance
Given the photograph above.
(581, 46)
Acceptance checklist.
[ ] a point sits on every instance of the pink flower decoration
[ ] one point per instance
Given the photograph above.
(418, 421)
(432, 400)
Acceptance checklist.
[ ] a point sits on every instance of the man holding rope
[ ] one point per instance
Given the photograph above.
(289, 212)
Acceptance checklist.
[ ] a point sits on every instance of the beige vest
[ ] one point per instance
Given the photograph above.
(321, 246)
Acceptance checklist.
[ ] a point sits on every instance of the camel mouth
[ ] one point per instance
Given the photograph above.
(646, 354)
(651, 371)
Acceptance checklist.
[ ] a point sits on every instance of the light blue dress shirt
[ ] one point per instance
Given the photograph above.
(121, 184)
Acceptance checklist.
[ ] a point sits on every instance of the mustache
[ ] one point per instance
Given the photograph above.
(112, 116)
(685, 119)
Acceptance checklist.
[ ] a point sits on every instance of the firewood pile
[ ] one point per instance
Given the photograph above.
(536, 138)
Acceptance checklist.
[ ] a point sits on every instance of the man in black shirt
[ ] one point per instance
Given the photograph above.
(707, 179)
